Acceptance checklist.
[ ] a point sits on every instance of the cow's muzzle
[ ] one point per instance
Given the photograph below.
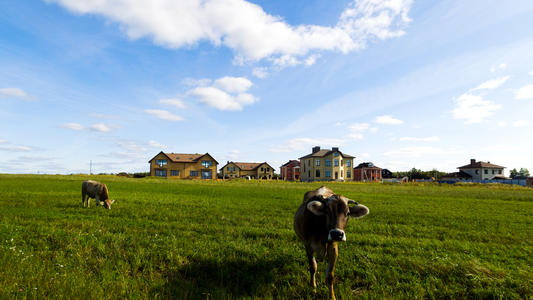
(336, 235)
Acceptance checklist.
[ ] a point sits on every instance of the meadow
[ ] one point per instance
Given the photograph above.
(234, 240)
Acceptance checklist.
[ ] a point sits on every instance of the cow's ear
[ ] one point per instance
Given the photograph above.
(359, 211)
(316, 207)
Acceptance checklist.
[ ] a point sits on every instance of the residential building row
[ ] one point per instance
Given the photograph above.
(319, 165)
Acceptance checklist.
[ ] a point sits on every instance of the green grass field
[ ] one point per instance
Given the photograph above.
(227, 240)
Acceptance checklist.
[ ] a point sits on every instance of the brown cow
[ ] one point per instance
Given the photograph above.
(97, 190)
(320, 223)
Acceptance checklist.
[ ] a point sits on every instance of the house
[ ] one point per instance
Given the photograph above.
(244, 169)
(386, 173)
(456, 176)
(326, 165)
(183, 166)
(367, 172)
(290, 171)
(480, 170)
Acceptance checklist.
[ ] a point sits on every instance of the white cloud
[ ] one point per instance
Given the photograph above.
(73, 126)
(103, 116)
(388, 120)
(2, 141)
(14, 93)
(301, 144)
(233, 84)
(173, 102)
(473, 109)
(196, 82)
(531, 73)
(521, 123)
(226, 93)
(246, 28)
(525, 92)
(9, 147)
(501, 124)
(417, 139)
(492, 84)
(260, 72)
(359, 126)
(357, 130)
(100, 127)
(163, 114)
(155, 144)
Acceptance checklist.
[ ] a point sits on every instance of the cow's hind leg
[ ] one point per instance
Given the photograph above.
(83, 199)
(312, 265)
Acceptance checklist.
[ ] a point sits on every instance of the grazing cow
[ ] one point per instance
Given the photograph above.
(97, 190)
(320, 223)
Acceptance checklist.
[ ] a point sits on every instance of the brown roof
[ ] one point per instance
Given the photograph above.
(247, 166)
(296, 163)
(480, 164)
(325, 152)
(367, 165)
(184, 157)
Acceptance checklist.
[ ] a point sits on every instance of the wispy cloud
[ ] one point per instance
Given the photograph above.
(418, 152)
(10, 147)
(247, 29)
(260, 72)
(388, 120)
(163, 115)
(473, 109)
(155, 144)
(226, 93)
(100, 127)
(357, 130)
(492, 84)
(525, 92)
(495, 68)
(177, 103)
(15, 93)
(73, 126)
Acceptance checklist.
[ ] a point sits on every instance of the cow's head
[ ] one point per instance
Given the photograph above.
(107, 203)
(337, 209)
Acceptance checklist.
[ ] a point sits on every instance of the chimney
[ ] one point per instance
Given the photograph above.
(472, 161)
(335, 149)
(316, 149)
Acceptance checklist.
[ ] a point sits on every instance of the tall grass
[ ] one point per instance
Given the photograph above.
(234, 239)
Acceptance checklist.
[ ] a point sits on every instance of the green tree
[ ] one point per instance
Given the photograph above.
(523, 172)
(513, 173)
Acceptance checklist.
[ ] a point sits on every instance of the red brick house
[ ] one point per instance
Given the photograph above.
(367, 172)
(290, 171)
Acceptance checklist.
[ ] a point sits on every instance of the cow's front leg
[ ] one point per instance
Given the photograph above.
(312, 265)
(97, 199)
(333, 252)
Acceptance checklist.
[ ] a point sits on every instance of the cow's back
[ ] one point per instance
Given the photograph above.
(91, 188)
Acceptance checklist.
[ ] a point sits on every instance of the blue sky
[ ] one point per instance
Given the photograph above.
(425, 84)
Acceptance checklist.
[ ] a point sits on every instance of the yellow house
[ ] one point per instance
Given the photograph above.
(243, 169)
(326, 165)
(184, 166)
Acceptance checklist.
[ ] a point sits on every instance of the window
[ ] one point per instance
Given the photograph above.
(161, 173)
(174, 173)
(342, 162)
(317, 174)
(493, 171)
(309, 162)
(207, 175)
(348, 173)
(328, 163)
(161, 162)
(207, 163)
(499, 171)
(486, 171)
(318, 162)
(328, 174)
(262, 169)
(336, 154)
(194, 174)
(477, 171)
(268, 169)
(348, 164)
(336, 163)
